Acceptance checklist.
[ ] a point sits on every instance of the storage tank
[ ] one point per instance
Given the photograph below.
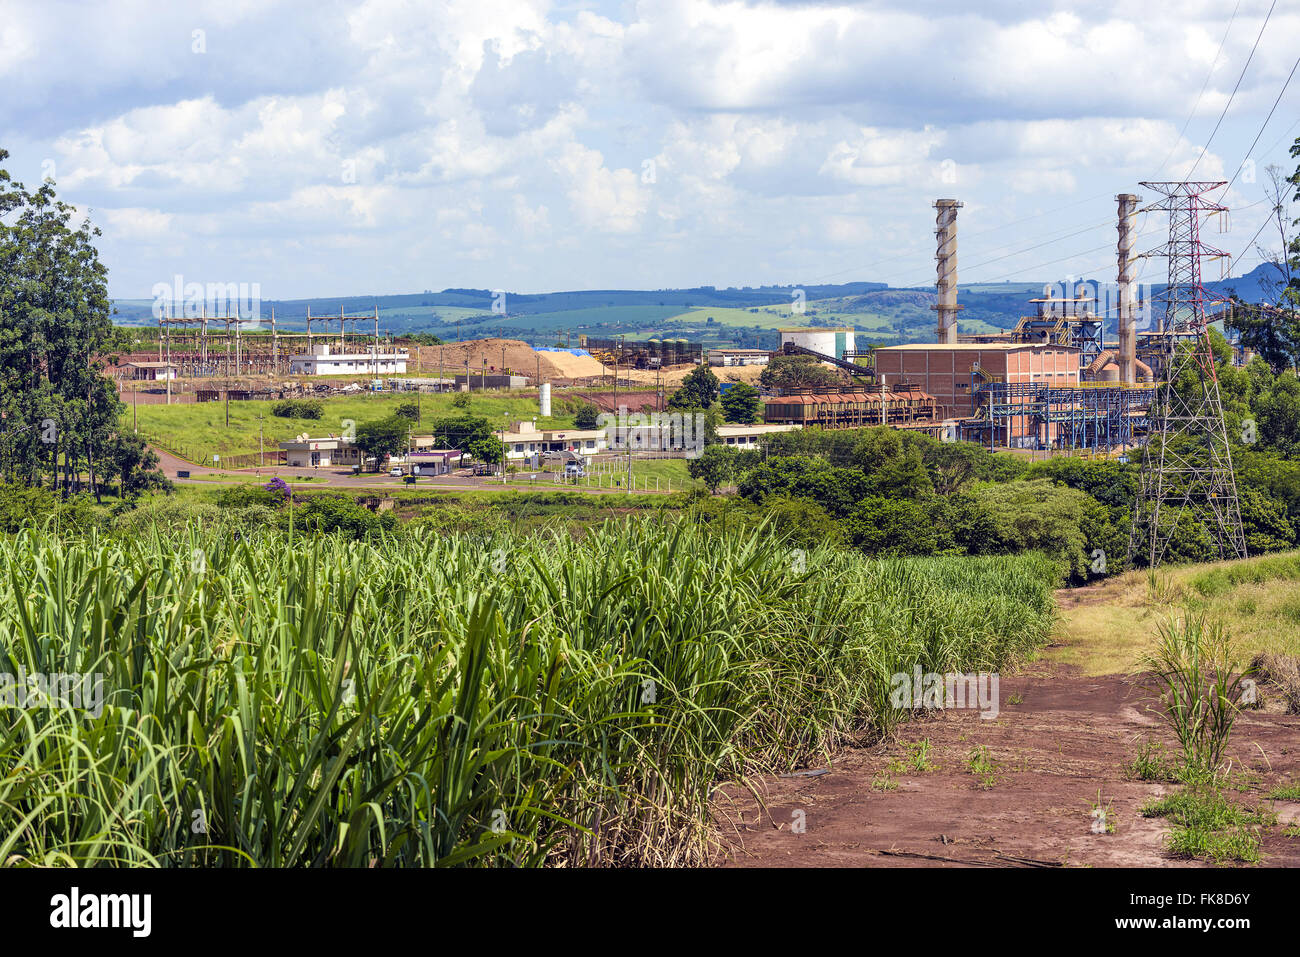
(544, 399)
(829, 342)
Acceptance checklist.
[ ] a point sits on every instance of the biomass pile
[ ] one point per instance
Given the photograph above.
(519, 357)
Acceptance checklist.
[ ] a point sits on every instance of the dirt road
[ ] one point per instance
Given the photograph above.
(1058, 745)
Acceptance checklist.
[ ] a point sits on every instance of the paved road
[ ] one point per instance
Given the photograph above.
(345, 478)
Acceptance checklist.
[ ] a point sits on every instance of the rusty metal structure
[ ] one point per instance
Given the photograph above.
(205, 346)
(647, 354)
(851, 407)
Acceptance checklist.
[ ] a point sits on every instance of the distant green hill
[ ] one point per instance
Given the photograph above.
(746, 317)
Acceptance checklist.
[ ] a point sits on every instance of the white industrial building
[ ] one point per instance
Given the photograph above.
(829, 342)
(525, 440)
(324, 360)
(739, 357)
(747, 436)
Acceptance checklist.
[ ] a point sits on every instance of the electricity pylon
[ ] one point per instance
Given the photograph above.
(1187, 460)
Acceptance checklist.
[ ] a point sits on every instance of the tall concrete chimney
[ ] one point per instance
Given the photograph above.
(1127, 319)
(946, 254)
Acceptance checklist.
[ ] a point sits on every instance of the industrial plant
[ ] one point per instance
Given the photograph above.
(1053, 382)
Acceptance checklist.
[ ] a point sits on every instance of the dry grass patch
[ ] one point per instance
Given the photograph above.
(1105, 627)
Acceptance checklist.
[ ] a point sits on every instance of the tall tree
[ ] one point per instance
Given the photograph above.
(699, 390)
(383, 437)
(788, 373)
(741, 403)
(1272, 329)
(59, 410)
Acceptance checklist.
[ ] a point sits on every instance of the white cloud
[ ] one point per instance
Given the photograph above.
(144, 225)
(608, 200)
(390, 141)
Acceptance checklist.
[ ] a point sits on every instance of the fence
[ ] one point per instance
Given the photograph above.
(240, 460)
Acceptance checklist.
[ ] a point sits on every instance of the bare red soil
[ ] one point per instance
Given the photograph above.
(1065, 741)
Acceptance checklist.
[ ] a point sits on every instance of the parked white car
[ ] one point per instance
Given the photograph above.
(396, 471)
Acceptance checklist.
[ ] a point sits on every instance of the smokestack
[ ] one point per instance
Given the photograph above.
(946, 254)
(1127, 320)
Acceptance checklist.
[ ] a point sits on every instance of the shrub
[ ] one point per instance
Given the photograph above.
(586, 416)
(240, 496)
(329, 514)
(298, 409)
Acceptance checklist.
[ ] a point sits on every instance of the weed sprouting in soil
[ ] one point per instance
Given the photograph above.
(1104, 817)
(1206, 824)
(981, 764)
(919, 759)
(1286, 792)
(1152, 763)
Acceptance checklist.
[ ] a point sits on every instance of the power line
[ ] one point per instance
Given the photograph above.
(1251, 244)
(1019, 252)
(1234, 93)
(1263, 126)
(982, 232)
(1204, 86)
(1282, 137)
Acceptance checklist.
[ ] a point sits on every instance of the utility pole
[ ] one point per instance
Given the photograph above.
(1187, 459)
(261, 449)
(167, 369)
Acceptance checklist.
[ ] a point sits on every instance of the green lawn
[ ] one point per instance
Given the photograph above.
(198, 431)
(647, 475)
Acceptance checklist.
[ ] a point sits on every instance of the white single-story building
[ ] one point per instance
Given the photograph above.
(328, 451)
(526, 440)
(323, 360)
(152, 370)
(747, 436)
(428, 461)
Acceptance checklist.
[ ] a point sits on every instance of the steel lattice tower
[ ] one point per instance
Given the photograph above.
(1187, 461)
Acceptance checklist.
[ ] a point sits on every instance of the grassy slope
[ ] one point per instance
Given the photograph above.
(881, 326)
(1114, 623)
(200, 428)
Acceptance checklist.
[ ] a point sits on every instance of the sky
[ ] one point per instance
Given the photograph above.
(387, 146)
